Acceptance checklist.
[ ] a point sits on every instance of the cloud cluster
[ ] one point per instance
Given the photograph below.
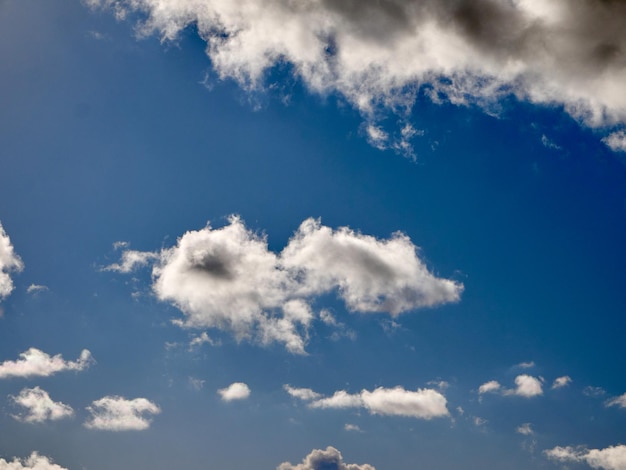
(424, 403)
(36, 363)
(40, 406)
(610, 458)
(113, 413)
(525, 386)
(9, 261)
(34, 462)
(227, 278)
(383, 52)
(235, 391)
(319, 459)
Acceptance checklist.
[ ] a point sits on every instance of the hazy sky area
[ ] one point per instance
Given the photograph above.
(312, 235)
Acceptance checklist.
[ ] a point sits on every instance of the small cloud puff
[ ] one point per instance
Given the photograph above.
(319, 459)
(9, 262)
(36, 363)
(235, 391)
(561, 382)
(526, 386)
(34, 462)
(618, 401)
(40, 407)
(525, 429)
(113, 413)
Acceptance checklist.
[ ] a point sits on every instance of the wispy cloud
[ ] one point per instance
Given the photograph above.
(36, 363)
(381, 54)
(617, 401)
(525, 429)
(227, 278)
(561, 382)
(9, 262)
(422, 403)
(114, 413)
(319, 459)
(34, 462)
(235, 391)
(40, 407)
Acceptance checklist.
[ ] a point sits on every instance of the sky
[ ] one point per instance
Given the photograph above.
(383, 234)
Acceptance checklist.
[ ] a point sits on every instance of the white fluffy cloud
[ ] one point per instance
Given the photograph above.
(114, 413)
(616, 141)
(34, 462)
(36, 363)
(424, 403)
(40, 407)
(377, 53)
(526, 386)
(319, 459)
(561, 382)
(227, 278)
(610, 458)
(618, 401)
(9, 261)
(235, 391)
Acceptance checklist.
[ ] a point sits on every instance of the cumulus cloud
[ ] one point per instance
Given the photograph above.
(610, 458)
(423, 403)
(34, 462)
(616, 141)
(235, 391)
(525, 429)
(618, 401)
(227, 278)
(383, 53)
(319, 459)
(36, 363)
(40, 407)
(561, 382)
(9, 262)
(113, 413)
(489, 387)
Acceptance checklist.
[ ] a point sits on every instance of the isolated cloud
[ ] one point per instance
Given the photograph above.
(525, 429)
(489, 387)
(226, 278)
(610, 458)
(131, 260)
(113, 413)
(36, 288)
(9, 262)
(40, 407)
(423, 403)
(328, 459)
(618, 401)
(235, 391)
(36, 363)
(616, 141)
(34, 462)
(561, 382)
(377, 53)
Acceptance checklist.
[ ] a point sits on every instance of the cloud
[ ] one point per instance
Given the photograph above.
(591, 391)
(525, 429)
(616, 141)
(131, 260)
(610, 458)
(40, 406)
(423, 403)
(527, 386)
(383, 53)
(235, 391)
(618, 401)
(9, 262)
(36, 363)
(352, 428)
(227, 278)
(302, 393)
(489, 387)
(319, 459)
(36, 289)
(34, 462)
(561, 382)
(113, 413)
(526, 365)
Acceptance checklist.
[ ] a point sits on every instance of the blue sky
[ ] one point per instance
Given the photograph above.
(388, 234)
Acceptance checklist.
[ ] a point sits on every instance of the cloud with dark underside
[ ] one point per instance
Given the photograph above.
(380, 53)
(227, 278)
(324, 459)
